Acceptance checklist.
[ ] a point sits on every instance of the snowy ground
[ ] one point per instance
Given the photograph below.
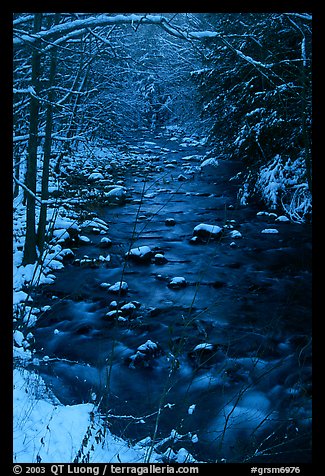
(47, 431)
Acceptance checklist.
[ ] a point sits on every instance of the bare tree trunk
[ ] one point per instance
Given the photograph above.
(41, 232)
(30, 252)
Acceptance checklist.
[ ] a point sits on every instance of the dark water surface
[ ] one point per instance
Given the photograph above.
(249, 298)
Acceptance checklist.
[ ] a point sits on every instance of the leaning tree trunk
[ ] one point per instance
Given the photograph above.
(30, 252)
(41, 231)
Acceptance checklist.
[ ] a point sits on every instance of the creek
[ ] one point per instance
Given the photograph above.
(247, 304)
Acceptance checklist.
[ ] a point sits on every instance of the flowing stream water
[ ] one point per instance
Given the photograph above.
(246, 304)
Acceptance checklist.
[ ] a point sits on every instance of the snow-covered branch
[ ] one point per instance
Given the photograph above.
(90, 22)
(303, 16)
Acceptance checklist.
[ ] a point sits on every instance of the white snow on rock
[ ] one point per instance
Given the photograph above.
(183, 456)
(18, 338)
(61, 234)
(84, 239)
(119, 286)
(105, 285)
(107, 258)
(212, 162)
(96, 223)
(106, 241)
(192, 158)
(54, 264)
(96, 176)
(191, 409)
(128, 307)
(19, 296)
(235, 234)
(65, 223)
(282, 218)
(205, 229)
(66, 253)
(142, 252)
(114, 313)
(148, 346)
(177, 282)
(203, 346)
(270, 231)
(117, 193)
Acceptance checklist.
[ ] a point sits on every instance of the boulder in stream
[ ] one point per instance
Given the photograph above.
(116, 195)
(95, 176)
(144, 354)
(160, 258)
(205, 353)
(170, 222)
(105, 242)
(270, 231)
(178, 282)
(140, 254)
(128, 309)
(209, 164)
(119, 287)
(206, 231)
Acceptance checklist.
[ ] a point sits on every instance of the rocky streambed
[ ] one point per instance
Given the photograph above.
(185, 315)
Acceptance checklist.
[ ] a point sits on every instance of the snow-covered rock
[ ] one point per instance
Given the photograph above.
(105, 242)
(160, 258)
(191, 409)
(203, 347)
(55, 265)
(192, 158)
(114, 314)
(95, 176)
(235, 234)
(128, 309)
(95, 222)
(148, 347)
(141, 253)
(66, 224)
(19, 296)
(119, 287)
(18, 338)
(61, 235)
(66, 253)
(270, 231)
(105, 285)
(170, 222)
(204, 230)
(177, 282)
(282, 218)
(116, 195)
(144, 354)
(209, 163)
(83, 239)
(105, 259)
(183, 456)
